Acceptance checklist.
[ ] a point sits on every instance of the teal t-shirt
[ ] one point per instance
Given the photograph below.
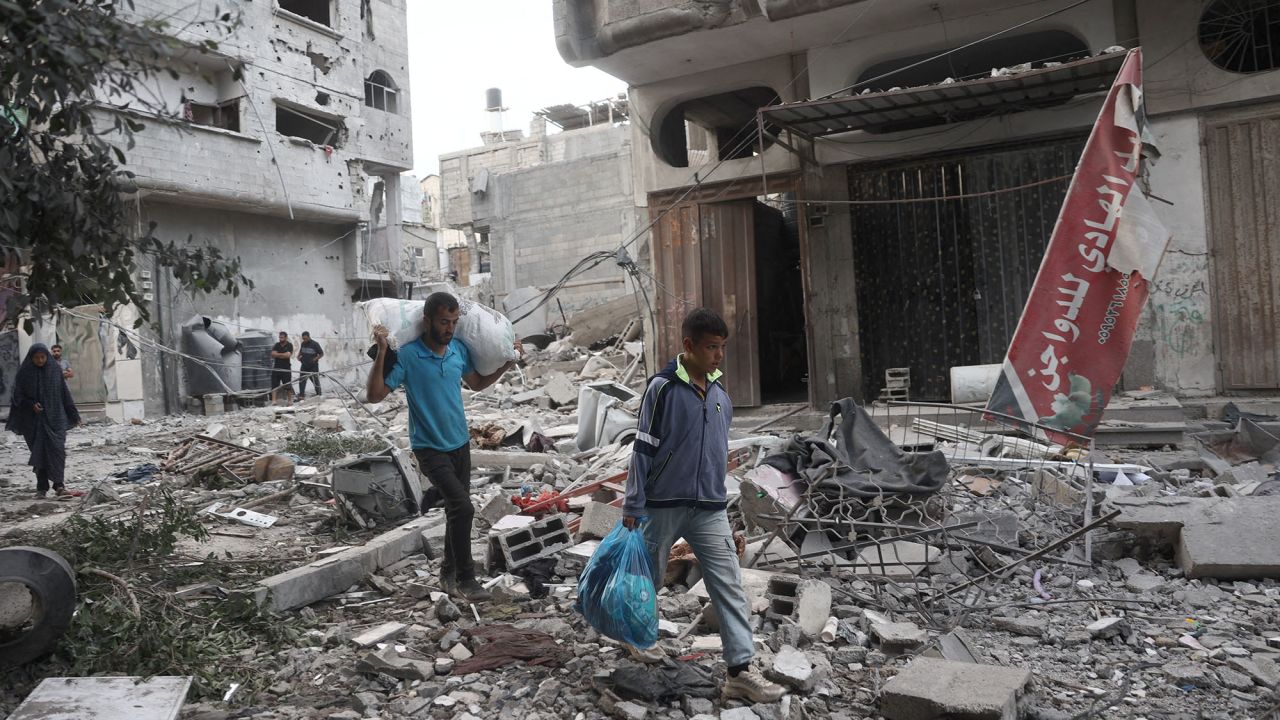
(433, 386)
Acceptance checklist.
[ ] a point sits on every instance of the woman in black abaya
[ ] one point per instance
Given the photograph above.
(41, 411)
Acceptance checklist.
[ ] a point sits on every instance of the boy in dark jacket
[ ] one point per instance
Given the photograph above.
(678, 466)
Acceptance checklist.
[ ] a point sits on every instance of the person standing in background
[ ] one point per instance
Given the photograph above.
(281, 376)
(57, 355)
(309, 354)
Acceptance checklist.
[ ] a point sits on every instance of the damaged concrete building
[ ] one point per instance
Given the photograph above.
(817, 246)
(531, 206)
(288, 155)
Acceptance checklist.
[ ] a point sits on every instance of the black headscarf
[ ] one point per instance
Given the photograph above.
(45, 431)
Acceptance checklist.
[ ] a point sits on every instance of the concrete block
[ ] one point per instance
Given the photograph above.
(899, 637)
(598, 520)
(931, 688)
(384, 632)
(496, 508)
(807, 602)
(516, 548)
(318, 580)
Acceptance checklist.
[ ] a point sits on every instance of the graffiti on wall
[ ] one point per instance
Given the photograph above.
(1179, 321)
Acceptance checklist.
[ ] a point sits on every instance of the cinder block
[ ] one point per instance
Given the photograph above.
(522, 546)
(806, 602)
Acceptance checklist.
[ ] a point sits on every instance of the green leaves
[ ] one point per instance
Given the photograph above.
(63, 190)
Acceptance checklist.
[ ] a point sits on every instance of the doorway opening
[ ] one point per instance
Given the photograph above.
(783, 347)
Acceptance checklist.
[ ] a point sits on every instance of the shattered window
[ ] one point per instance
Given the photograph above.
(319, 129)
(317, 10)
(379, 92)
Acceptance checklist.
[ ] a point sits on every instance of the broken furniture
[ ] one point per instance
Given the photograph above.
(203, 453)
(602, 417)
(376, 489)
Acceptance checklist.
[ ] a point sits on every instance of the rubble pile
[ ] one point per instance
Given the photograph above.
(1005, 575)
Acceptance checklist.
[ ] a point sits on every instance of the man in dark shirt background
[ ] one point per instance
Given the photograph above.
(281, 377)
(309, 354)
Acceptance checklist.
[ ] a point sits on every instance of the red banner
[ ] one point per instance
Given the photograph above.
(1077, 327)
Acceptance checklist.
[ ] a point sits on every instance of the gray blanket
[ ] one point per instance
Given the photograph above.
(862, 462)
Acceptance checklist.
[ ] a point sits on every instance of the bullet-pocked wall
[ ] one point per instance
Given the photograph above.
(300, 284)
(277, 136)
(1208, 304)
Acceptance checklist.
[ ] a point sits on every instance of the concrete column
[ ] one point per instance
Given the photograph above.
(395, 216)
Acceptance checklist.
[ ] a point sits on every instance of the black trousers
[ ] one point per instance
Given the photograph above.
(450, 474)
(309, 373)
(42, 480)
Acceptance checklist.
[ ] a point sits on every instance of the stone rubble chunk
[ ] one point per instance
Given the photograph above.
(389, 662)
(1144, 583)
(1263, 671)
(1187, 675)
(931, 688)
(1025, 625)
(1233, 680)
(380, 634)
(897, 637)
(627, 710)
(1107, 628)
(696, 706)
(740, 713)
(793, 668)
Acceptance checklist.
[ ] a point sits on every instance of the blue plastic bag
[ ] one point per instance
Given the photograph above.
(615, 591)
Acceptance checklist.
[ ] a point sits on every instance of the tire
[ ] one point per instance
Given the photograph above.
(53, 601)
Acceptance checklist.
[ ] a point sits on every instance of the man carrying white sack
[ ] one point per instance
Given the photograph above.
(432, 369)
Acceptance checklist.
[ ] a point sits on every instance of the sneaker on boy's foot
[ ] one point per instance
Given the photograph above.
(472, 591)
(751, 685)
(650, 657)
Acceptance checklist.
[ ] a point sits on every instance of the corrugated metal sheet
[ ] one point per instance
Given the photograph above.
(943, 283)
(947, 103)
(1243, 161)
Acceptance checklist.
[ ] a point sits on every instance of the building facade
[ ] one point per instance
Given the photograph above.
(286, 152)
(816, 244)
(531, 206)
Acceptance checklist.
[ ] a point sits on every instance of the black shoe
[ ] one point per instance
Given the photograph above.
(472, 591)
(449, 586)
(431, 498)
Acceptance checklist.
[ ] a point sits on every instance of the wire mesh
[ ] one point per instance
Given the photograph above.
(1012, 496)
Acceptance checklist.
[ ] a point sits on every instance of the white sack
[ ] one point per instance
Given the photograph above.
(487, 333)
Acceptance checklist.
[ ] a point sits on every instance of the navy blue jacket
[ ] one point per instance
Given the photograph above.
(681, 452)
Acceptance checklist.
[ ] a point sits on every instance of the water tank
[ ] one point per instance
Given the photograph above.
(255, 359)
(218, 349)
(493, 99)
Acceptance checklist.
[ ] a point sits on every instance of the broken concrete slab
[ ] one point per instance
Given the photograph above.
(793, 668)
(931, 688)
(896, 637)
(897, 559)
(498, 459)
(389, 662)
(755, 583)
(1108, 627)
(807, 602)
(331, 575)
(1223, 538)
(380, 634)
(1025, 625)
(598, 520)
(105, 698)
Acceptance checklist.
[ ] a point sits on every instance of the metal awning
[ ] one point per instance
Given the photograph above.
(952, 102)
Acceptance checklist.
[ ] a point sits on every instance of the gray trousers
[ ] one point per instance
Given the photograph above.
(709, 534)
